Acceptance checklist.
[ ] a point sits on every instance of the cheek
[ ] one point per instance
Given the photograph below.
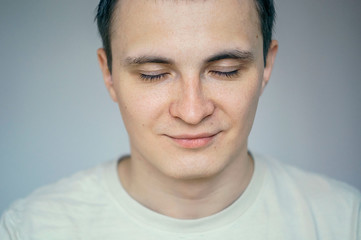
(239, 100)
(140, 106)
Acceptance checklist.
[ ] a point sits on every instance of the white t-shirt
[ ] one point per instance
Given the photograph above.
(281, 202)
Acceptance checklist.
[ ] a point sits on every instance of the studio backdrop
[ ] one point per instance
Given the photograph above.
(56, 116)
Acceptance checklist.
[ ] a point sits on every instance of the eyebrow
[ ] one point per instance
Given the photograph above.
(147, 59)
(246, 56)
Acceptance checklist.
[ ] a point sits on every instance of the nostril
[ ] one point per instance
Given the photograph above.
(192, 111)
(191, 104)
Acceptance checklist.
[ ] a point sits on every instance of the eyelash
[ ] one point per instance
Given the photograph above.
(152, 78)
(230, 74)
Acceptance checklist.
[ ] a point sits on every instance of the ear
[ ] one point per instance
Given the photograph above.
(271, 56)
(107, 76)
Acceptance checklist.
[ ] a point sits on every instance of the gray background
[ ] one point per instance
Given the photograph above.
(56, 117)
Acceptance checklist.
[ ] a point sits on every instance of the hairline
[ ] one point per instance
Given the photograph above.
(117, 5)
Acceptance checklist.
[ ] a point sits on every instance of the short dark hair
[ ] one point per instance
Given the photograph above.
(104, 18)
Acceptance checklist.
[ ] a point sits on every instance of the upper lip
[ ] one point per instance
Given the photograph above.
(193, 136)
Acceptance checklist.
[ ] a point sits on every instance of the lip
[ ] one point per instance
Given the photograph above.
(193, 141)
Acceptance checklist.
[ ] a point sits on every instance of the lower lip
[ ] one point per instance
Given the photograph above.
(193, 143)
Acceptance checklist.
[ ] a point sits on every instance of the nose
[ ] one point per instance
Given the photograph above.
(191, 104)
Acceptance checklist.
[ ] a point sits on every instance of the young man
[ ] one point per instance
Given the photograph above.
(187, 76)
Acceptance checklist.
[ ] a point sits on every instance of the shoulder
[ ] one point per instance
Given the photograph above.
(308, 183)
(57, 204)
(69, 190)
(326, 202)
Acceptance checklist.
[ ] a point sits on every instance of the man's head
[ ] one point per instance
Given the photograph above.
(187, 76)
(105, 15)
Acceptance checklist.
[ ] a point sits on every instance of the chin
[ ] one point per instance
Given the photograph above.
(193, 168)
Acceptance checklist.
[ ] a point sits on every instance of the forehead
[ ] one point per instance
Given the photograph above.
(184, 23)
(127, 8)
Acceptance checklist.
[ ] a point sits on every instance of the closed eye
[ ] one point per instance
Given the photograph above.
(151, 78)
(229, 74)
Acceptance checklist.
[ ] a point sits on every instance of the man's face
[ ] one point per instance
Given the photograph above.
(187, 76)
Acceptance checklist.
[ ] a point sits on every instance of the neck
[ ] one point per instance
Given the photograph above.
(187, 199)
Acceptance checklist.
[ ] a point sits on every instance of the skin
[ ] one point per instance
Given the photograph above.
(187, 76)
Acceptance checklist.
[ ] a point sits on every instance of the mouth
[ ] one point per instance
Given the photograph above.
(193, 141)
